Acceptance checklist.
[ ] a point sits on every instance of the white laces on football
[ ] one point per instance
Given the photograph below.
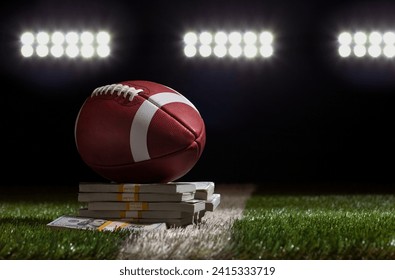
(118, 89)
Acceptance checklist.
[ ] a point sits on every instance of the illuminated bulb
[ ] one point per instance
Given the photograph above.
(57, 38)
(42, 50)
(57, 51)
(250, 38)
(27, 50)
(103, 38)
(27, 38)
(220, 50)
(344, 51)
(42, 38)
(72, 51)
(72, 38)
(190, 51)
(360, 38)
(103, 51)
(359, 51)
(87, 38)
(389, 51)
(375, 38)
(190, 38)
(205, 38)
(235, 38)
(87, 51)
(235, 51)
(266, 38)
(266, 51)
(389, 38)
(345, 38)
(220, 38)
(205, 50)
(374, 51)
(250, 51)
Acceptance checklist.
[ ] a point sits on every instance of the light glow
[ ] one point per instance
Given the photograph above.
(205, 38)
(103, 50)
(220, 50)
(27, 38)
(360, 38)
(389, 38)
(374, 51)
(233, 44)
(375, 38)
(250, 51)
(235, 51)
(72, 51)
(72, 38)
(266, 38)
(57, 38)
(27, 50)
(235, 38)
(359, 50)
(221, 38)
(65, 44)
(42, 38)
(87, 51)
(190, 38)
(57, 51)
(362, 44)
(103, 38)
(345, 38)
(205, 50)
(190, 50)
(42, 50)
(344, 51)
(266, 51)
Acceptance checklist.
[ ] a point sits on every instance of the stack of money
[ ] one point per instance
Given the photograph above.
(101, 224)
(175, 204)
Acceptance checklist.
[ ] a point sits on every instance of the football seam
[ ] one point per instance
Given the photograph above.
(121, 90)
(171, 115)
(133, 163)
(131, 91)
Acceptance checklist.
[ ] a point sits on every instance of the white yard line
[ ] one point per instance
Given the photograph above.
(204, 241)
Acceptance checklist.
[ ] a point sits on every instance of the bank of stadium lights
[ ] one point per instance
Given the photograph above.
(71, 44)
(361, 44)
(233, 44)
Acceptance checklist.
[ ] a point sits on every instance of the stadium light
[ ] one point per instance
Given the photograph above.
(65, 44)
(361, 44)
(234, 44)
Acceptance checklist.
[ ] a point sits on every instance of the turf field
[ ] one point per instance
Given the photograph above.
(24, 234)
(273, 226)
(316, 227)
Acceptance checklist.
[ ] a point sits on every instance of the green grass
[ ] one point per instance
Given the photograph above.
(316, 228)
(273, 227)
(24, 234)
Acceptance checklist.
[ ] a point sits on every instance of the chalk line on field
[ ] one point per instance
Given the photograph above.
(206, 240)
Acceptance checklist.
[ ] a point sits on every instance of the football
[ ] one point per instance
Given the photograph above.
(139, 131)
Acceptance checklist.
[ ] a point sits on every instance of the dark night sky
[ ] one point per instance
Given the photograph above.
(304, 115)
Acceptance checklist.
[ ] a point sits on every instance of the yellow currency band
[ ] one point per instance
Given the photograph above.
(133, 206)
(104, 225)
(123, 225)
(135, 188)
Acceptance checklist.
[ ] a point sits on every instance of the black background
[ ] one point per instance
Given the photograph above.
(305, 115)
